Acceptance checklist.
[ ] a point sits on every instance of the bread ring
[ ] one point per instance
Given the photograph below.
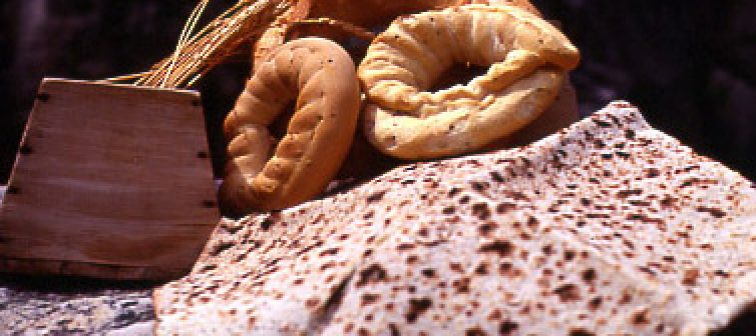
(363, 13)
(527, 58)
(321, 76)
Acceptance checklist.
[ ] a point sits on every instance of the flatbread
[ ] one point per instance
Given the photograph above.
(607, 227)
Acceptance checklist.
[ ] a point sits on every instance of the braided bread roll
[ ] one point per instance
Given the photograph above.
(526, 59)
(320, 75)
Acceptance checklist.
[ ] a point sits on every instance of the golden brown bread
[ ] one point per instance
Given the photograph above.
(320, 75)
(526, 56)
(362, 13)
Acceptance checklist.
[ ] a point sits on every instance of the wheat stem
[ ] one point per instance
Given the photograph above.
(197, 53)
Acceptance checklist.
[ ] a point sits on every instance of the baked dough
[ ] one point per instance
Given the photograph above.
(362, 13)
(320, 75)
(526, 58)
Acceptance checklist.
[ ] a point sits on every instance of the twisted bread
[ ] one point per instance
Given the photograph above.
(527, 58)
(321, 76)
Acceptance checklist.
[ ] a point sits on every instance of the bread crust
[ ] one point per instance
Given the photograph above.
(320, 75)
(361, 13)
(526, 59)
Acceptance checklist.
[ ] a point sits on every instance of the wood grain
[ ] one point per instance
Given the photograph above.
(111, 181)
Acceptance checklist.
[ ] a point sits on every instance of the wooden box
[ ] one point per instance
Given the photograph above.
(111, 181)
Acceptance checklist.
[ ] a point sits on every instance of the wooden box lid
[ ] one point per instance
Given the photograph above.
(111, 181)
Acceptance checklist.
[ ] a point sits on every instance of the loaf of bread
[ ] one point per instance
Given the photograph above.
(525, 56)
(320, 76)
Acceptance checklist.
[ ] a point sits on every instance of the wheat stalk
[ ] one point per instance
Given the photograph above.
(196, 54)
(191, 23)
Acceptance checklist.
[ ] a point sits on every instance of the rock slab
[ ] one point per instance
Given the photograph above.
(64, 306)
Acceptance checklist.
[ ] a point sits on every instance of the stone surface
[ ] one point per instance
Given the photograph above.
(609, 226)
(137, 329)
(56, 306)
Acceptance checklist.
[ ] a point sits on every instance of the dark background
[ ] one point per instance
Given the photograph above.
(689, 65)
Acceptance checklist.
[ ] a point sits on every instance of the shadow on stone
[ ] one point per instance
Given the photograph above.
(69, 285)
